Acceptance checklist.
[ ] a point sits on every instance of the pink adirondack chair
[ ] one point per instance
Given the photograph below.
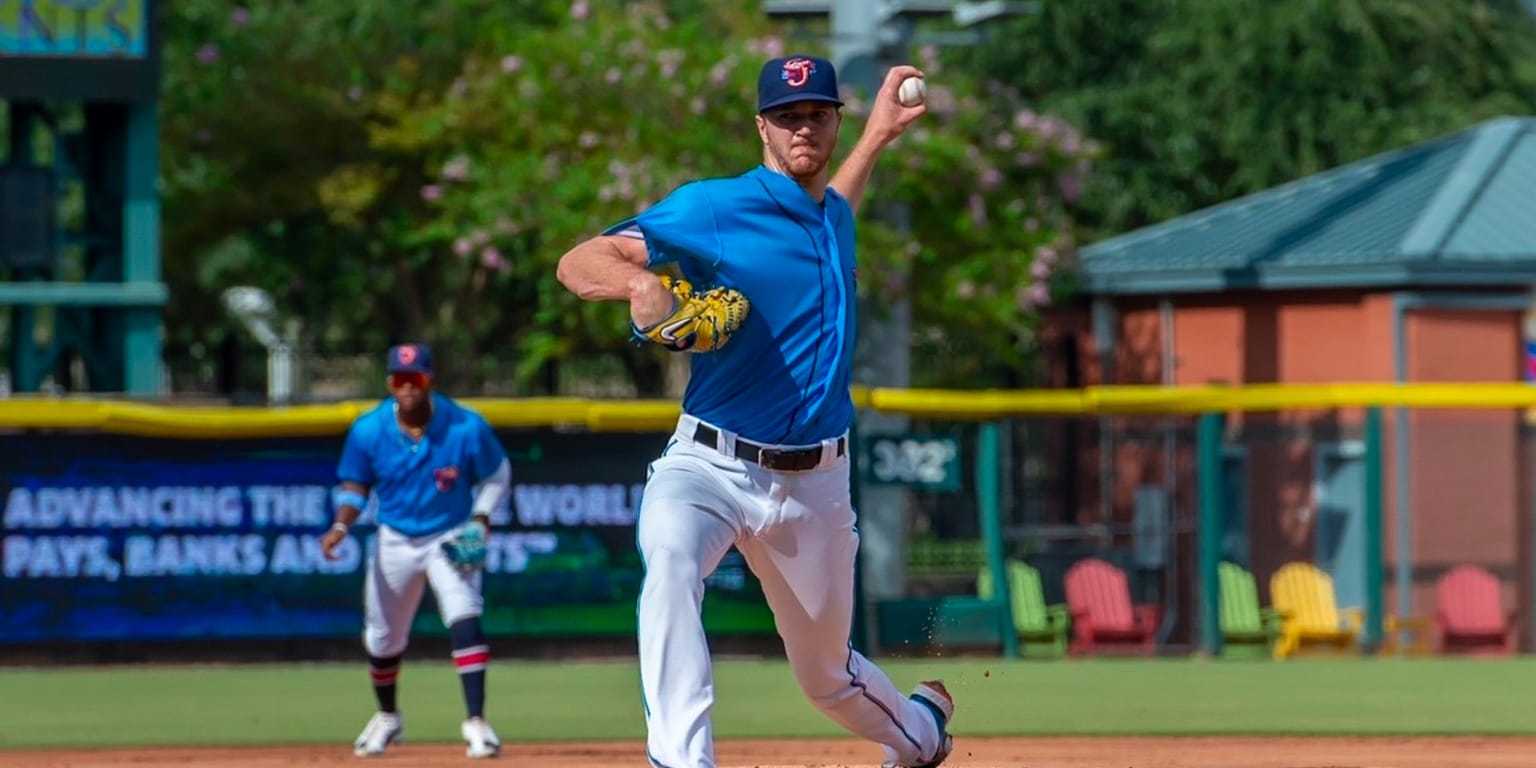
(1103, 616)
(1470, 616)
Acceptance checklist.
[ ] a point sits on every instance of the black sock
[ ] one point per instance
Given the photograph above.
(384, 673)
(471, 655)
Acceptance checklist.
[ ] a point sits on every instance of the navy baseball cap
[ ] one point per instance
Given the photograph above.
(410, 358)
(789, 79)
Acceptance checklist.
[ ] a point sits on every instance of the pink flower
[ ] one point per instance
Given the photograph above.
(697, 106)
(511, 63)
(456, 170)
(431, 193)
(965, 289)
(1045, 254)
(990, 178)
(670, 60)
(587, 139)
(240, 17)
(1024, 120)
(580, 10)
(719, 73)
(1049, 128)
(463, 247)
(491, 259)
(773, 46)
(613, 75)
(1026, 159)
(208, 54)
(1032, 296)
(1071, 187)
(978, 210)
(1004, 141)
(479, 238)
(930, 55)
(1039, 270)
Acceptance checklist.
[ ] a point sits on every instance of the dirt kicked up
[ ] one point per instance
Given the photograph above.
(1106, 752)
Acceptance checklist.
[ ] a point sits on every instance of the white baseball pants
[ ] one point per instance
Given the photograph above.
(399, 568)
(796, 532)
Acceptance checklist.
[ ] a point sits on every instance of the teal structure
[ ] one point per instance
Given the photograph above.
(80, 279)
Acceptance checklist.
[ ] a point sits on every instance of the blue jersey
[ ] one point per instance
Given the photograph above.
(426, 486)
(784, 376)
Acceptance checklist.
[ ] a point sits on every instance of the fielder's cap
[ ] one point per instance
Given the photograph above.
(789, 79)
(410, 358)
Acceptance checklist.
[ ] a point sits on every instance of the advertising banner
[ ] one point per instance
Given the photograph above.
(112, 537)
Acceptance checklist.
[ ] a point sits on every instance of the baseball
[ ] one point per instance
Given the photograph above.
(912, 92)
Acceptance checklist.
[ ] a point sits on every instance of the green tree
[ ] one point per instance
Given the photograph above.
(387, 188)
(1197, 102)
(269, 175)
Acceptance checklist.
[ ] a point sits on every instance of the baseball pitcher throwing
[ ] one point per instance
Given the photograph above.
(760, 456)
(437, 472)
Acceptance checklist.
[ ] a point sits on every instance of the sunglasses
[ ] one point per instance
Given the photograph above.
(413, 378)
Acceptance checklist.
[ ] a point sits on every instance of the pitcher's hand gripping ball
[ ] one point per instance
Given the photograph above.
(700, 322)
(466, 547)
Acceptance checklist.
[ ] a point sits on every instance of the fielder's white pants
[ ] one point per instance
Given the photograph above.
(796, 532)
(399, 568)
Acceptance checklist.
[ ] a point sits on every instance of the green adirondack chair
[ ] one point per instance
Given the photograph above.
(1040, 626)
(1246, 628)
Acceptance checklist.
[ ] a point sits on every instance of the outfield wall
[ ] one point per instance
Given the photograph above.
(113, 537)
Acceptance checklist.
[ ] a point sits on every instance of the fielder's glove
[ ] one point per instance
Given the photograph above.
(466, 547)
(700, 322)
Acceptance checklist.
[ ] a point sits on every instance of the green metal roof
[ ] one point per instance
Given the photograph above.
(1458, 210)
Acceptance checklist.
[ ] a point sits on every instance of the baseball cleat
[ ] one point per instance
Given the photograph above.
(481, 739)
(933, 695)
(382, 730)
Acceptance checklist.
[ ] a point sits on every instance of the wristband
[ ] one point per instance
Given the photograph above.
(340, 526)
(342, 497)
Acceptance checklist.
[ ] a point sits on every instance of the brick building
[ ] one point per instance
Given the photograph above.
(1416, 265)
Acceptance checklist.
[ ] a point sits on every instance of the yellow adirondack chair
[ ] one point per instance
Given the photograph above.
(1039, 625)
(1302, 595)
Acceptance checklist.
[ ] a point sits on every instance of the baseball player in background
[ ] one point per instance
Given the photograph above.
(437, 472)
(759, 459)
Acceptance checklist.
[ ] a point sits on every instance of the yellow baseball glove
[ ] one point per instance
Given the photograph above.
(700, 322)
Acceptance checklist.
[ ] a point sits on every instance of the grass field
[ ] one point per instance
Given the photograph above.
(324, 703)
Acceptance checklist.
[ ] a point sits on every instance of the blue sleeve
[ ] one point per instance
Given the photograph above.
(356, 460)
(488, 451)
(682, 226)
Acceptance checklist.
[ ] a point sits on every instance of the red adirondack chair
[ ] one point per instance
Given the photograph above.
(1103, 616)
(1469, 614)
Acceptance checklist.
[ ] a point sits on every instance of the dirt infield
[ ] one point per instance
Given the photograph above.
(969, 753)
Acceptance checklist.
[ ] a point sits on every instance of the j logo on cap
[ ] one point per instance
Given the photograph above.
(797, 72)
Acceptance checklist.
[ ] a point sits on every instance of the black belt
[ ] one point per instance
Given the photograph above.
(768, 457)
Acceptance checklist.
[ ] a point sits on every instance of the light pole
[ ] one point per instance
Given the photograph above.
(256, 310)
